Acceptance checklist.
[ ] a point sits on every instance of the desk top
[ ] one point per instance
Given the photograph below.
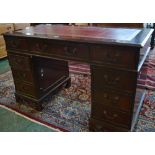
(118, 36)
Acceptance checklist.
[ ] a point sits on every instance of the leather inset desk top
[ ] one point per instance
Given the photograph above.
(119, 36)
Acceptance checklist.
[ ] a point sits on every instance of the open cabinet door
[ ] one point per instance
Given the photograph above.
(50, 74)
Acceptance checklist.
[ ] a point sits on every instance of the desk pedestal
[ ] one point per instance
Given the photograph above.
(39, 58)
(35, 78)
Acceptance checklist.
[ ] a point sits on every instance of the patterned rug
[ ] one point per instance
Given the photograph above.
(69, 110)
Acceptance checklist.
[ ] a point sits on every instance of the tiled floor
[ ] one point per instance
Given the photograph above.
(10, 121)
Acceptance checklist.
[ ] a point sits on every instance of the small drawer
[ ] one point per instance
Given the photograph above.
(124, 57)
(20, 62)
(105, 113)
(24, 88)
(16, 43)
(113, 99)
(101, 126)
(107, 77)
(22, 75)
(74, 51)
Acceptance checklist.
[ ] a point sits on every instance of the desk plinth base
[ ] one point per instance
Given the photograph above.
(101, 126)
(37, 103)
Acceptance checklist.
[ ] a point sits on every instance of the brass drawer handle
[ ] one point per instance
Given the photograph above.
(14, 43)
(113, 81)
(24, 75)
(105, 95)
(40, 47)
(112, 57)
(24, 88)
(16, 61)
(45, 47)
(111, 99)
(108, 116)
(70, 51)
(98, 128)
(116, 99)
(21, 75)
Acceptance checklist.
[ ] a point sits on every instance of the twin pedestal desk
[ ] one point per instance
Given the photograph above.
(39, 57)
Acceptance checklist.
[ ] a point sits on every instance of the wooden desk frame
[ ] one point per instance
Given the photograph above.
(115, 66)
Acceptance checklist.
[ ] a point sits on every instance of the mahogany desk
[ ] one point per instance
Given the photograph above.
(38, 57)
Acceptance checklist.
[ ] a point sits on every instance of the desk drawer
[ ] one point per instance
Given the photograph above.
(113, 99)
(101, 126)
(20, 44)
(74, 51)
(105, 113)
(107, 77)
(124, 57)
(24, 88)
(20, 62)
(22, 75)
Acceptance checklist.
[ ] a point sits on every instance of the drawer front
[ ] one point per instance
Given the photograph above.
(105, 113)
(24, 88)
(101, 126)
(16, 43)
(106, 77)
(112, 99)
(22, 75)
(114, 55)
(20, 62)
(60, 49)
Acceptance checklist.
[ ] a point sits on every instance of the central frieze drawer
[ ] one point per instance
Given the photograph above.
(117, 79)
(74, 51)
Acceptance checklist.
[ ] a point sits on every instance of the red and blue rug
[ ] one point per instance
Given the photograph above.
(69, 110)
